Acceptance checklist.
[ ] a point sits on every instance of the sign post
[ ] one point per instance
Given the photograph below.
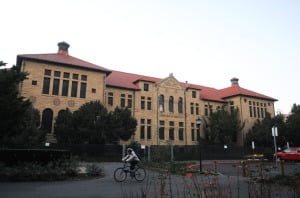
(274, 134)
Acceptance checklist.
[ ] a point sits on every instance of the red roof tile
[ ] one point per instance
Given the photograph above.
(236, 90)
(61, 59)
(129, 80)
(123, 80)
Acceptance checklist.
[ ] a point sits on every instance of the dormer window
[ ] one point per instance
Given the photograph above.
(146, 87)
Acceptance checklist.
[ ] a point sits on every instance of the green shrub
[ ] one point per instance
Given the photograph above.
(33, 171)
(94, 170)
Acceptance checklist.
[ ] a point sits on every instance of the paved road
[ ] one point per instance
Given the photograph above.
(106, 187)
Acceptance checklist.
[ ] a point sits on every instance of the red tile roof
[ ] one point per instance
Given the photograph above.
(236, 90)
(61, 59)
(129, 80)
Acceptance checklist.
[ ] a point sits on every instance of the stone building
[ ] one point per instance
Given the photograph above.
(167, 110)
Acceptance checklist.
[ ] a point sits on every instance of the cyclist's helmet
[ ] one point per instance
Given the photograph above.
(129, 150)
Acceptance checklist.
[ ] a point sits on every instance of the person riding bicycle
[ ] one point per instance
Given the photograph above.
(132, 158)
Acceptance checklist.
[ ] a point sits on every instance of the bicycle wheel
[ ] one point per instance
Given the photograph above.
(140, 174)
(120, 175)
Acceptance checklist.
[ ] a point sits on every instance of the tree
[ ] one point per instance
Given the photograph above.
(261, 132)
(93, 124)
(63, 128)
(123, 122)
(293, 126)
(223, 126)
(18, 119)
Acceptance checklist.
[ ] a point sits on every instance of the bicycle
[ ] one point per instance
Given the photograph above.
(138, 173)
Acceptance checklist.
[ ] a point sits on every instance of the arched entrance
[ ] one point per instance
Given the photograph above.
(47, 119)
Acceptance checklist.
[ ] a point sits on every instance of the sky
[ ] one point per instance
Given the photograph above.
(204, 42)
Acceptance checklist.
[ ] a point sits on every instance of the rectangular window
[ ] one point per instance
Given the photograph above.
(250, 111)
(84, 77)
(171, 130)
(74, 89)
(148, 129)
(47, 72)
(65, 88)
(262, 112)
(210, 109)
(180, 132)
(57, 74)
(197, 109)
(142, 132)
(93, 90)
(192, 108)
(206, 110)
(258, 112)
(75, 76)
(149, 103)
(34, 82)
(194, 93)
(122, 100)
(129, 101)
(110, 99)
(55, 89)
(66, 75)
(82, 90)
(46, 85)
(143, 102)
(193, 131)
(161, 130)
(146, 87)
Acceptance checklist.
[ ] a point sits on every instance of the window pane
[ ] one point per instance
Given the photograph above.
(84, 77)
(66, 75)
(83, 90)
(47, 72)
(57, 73)
(75, 76)
(65, 88)
(74, 89)
(46, 85)
(55, 89)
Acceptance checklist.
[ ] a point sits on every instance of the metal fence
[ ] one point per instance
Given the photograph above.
(161, 152)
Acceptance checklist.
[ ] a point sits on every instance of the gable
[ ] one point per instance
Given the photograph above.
(170, 82)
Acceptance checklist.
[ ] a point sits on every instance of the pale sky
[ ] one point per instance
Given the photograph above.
(205, 42)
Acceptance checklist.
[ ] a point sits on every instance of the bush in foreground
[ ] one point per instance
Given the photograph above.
(63, 169)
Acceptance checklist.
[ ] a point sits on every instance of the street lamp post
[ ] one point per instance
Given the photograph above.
(198, 122)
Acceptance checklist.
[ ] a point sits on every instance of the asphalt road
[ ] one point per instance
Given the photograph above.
(231, 181)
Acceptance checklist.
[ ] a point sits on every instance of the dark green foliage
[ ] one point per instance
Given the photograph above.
(293, 126)
(18, 119)
(223, 126)
(60, 169)
(124, 123)
(261, 132)
(93, 124)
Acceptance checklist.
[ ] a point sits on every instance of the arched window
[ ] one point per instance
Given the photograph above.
(161, 103)
(171, 104)
(180, 105)
(47, 119)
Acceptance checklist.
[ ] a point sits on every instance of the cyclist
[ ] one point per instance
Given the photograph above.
(132, 158)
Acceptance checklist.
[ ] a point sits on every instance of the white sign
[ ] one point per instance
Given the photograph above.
(274, 131)
(143, 146)
(253, 145)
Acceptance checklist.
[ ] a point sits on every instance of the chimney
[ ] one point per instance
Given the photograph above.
(234, 82)
(63, 48)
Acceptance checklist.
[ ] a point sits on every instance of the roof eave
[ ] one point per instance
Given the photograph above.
(251, 96)
(20, 59)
